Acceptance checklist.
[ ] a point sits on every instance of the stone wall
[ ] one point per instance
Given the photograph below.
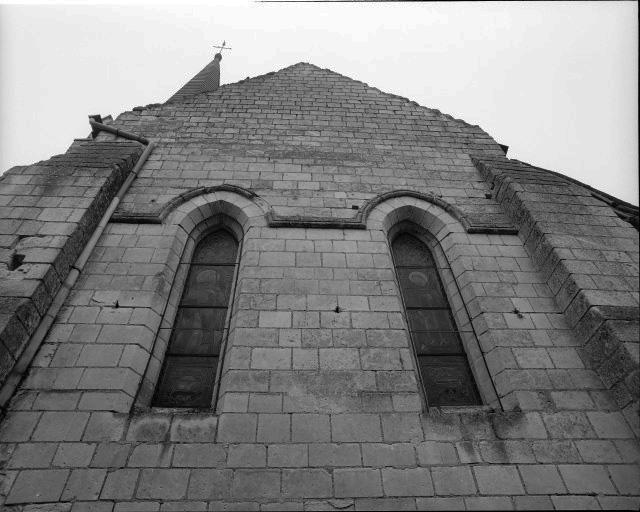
(318, 407)
(48, 212)
(589, 257)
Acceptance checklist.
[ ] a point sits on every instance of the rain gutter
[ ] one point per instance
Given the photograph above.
(24, 361)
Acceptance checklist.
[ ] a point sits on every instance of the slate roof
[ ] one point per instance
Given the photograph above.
(207, 80)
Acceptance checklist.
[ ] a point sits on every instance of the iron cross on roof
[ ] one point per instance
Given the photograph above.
(223, 47)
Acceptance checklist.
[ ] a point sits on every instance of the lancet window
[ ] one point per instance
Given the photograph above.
(444, 369)
(191, 362)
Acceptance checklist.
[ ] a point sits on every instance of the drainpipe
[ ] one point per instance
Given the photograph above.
(24, 361)
(97, 126)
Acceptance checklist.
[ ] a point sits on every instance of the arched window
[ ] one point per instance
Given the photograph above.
(191, 361)
(444, 369)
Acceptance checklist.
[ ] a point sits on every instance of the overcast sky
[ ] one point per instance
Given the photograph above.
(556, 82)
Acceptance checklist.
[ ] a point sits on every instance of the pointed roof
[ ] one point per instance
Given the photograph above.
(207, 80)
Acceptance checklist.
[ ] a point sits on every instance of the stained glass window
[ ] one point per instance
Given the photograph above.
(444, 368)
(191, 361)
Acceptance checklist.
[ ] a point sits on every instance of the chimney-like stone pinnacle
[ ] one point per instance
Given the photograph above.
(207, 80)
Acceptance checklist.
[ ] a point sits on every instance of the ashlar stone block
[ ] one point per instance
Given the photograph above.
(401, 427)
(84, 484)
(542, 479)
(247, 456)
(432, 453)
(163, 484)
(198, 455)
(120, 484)
(256, 484)
(355, 428)
(586, 479)
(407, 482)
(626, 477)
(237, 428)
(210, 484)
(498, 480)
(196, 428)
(110, 455)
(274, 428)
(306, 483)
(396, 455)
(453, 481)
(354, 483)
(61, 426)
(151, 455)
(74, 454)
(287, 455)
(334, 455)
(32, 455)
(38, 486)
(271, 358)
(310, 428)
(610, 425)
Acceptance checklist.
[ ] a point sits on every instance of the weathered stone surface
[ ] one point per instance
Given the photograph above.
(306, 483)
(453, 481)
(210, 484)
(163, 484)
(407, 482)
(49, 235)
(120, 484)
(357, 482)
(256, 484)
(318, 403)
(37, 486)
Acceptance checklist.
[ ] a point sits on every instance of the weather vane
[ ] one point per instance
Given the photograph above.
(223, 47)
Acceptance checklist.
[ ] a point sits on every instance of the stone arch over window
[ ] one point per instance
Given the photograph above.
(208, 232)
(442, 235)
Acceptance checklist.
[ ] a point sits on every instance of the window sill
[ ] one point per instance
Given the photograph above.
(462, 409)
(175, 411)
(161, 424)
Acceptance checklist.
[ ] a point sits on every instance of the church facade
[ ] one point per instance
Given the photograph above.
(297, 292)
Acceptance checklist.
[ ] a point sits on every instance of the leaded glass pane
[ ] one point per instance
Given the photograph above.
(408, 251)
(208, 286)
(198, 331)
(421, 287)
(448, 381)
(186, 382)
(435, 342)
(430, 320)
(219, 247)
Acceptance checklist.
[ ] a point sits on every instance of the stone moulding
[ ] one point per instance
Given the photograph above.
(359, 221)
(161, 213)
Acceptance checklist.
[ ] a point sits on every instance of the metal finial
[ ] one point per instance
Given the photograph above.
(223, 47)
